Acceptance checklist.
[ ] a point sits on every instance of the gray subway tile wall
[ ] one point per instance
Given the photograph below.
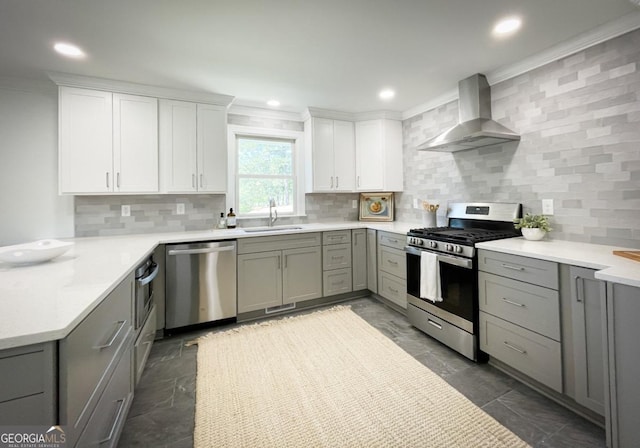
(579, 119)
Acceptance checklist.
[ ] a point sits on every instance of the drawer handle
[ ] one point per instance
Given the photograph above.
(337, 283)
(519, 350)
(113, 337)
(334, 257)
(435, 324)
(391, 240)
(392, 262)
(515, 268)
(395, 291)
(512, 303)
(115, 422)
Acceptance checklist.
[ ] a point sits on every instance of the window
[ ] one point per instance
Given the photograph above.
(265, 171)
(265, 164)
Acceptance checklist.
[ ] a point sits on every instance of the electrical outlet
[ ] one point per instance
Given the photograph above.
(354, 203)
(416, 203)
(126, 210)
(547, 206)
(180, 209)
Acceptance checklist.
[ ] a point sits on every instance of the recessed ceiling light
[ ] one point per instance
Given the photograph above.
(386, 94)
(273, 103)
(69, 50)
(507, 26)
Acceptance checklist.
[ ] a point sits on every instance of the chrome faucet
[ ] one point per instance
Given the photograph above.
(272, 210)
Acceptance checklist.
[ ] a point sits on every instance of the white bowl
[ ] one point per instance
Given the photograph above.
(533, 234)
(34, 252)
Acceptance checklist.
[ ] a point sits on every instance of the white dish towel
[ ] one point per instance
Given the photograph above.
(430, 277)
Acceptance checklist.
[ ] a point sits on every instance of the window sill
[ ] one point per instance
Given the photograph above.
(247, 218)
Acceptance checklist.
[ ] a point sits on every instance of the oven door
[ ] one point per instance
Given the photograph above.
(458, 281)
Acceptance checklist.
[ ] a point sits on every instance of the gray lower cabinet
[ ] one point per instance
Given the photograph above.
(520, 315)
(359, 258)
(622, 402)
(337, 275)
(587, 305)
(269, 276)
(392, 268)
(372, 260)
(95, 372)
(28, 386)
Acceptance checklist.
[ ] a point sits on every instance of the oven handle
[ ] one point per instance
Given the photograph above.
(148, 278)
(455, 261)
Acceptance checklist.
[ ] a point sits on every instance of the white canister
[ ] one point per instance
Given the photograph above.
(429, 219)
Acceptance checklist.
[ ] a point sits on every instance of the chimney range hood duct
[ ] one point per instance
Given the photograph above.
(476, 128)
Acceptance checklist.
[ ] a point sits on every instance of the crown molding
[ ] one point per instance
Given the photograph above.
(252, 111)
(349, 116)
(27, 84)
(610, 30)
(70, 80)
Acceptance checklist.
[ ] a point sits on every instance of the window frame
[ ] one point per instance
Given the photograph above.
(297, 137)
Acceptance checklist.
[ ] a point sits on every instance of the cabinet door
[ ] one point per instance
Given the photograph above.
(212, 149)
(344, 155)
(587, 300)
(372, 261)
(85, 153)
(259, 281)
(621, 351)
(302, 274)
(359, 259)
(135, 143)
(178, 146)
(369, 157)
(322, 158)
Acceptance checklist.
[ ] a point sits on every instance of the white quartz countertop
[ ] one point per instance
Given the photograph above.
(611, 268)
(45, 302)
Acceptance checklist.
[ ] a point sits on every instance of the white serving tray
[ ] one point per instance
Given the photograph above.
(34, 252)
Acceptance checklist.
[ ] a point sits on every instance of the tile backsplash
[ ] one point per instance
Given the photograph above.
(101, 215)
(579, 120)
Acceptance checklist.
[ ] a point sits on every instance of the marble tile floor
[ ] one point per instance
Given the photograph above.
(162, 412)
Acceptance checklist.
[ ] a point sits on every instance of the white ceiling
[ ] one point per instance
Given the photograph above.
(331, 54)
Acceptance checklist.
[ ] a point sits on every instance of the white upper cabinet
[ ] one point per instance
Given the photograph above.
(212, 148)
(85, 155)
(379, 155)
(135, 143)
(193, 147)
(331, 153)
(108, 142)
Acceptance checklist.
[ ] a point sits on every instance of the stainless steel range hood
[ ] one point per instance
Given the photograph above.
(476, 128)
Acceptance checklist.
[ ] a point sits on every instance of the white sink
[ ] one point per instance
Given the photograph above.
(270, 229)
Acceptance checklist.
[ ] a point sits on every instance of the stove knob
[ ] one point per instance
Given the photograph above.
(433, 244)
(449, 247)
(458, 249)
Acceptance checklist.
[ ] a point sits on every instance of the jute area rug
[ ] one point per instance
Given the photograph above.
(328, 379)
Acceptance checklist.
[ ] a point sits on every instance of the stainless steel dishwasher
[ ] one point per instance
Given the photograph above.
(200, 282)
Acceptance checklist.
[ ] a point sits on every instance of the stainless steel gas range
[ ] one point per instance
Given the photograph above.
(442, 272)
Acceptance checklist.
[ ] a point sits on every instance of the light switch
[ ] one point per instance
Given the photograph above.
(354, 203)
(547, 206)
(180, 209)
(125, 210)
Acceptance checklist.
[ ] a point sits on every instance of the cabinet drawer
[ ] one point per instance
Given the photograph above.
(89, 354)
(530, 306)
(336, 237)
(395, 240)
(337, 256)
(526, 351)
(279, 242)
(107, 420)
(393, 288)
(530, 270)
(392, 261)
(22, 372)
(336, 282)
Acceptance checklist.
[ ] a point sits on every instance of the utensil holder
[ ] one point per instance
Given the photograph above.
(429, 219)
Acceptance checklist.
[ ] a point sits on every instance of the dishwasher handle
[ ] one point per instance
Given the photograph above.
(206, 250)
(149, 278)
